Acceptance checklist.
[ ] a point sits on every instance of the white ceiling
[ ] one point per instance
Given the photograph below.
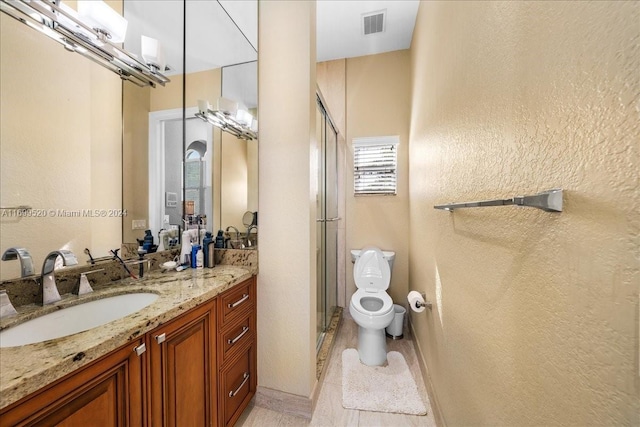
(213, 38)
(225, 32)
(339, 31)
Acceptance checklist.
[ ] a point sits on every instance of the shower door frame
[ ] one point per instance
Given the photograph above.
(327, 271)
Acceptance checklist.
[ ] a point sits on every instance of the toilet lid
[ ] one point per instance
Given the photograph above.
(371, 270)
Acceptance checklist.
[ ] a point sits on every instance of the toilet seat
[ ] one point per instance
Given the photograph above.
(387, 302)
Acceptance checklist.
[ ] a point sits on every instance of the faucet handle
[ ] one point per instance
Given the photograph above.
(6, 308)
(83, 286)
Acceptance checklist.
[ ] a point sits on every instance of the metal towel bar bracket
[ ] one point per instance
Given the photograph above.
(549, 201)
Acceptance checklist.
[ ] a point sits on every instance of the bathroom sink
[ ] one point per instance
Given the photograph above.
(77, 318)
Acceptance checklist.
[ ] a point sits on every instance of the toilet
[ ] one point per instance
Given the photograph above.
(371, 307)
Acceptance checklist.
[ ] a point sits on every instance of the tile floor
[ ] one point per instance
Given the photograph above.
(329, 411)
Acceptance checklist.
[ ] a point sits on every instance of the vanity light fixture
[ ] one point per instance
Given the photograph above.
(230, 117)
(92, 32)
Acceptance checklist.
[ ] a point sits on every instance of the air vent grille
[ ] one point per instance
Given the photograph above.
(373, 23)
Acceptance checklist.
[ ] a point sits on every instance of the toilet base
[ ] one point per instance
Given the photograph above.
(372, 346)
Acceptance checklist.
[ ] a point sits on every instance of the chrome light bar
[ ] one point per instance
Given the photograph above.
(58, 23)
(228, 123)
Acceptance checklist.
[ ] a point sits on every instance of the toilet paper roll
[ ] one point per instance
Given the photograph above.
(416, 302)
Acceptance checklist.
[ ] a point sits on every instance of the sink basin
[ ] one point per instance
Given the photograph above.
(77, 318)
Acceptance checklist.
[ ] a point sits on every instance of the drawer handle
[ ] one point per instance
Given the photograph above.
(140, 349)
(161, 338)
(246, 377)
(245, 329)
(240, 301)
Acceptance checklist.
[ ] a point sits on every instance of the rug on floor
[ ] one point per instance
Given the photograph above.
(388, 388)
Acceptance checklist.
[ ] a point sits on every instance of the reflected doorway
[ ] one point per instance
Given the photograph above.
(180, 174)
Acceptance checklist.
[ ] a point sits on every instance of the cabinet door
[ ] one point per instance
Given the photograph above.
(182, 370)
(108, 392)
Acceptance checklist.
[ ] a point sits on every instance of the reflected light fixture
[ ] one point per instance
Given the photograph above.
(152, 53)
(229, 116)
(93, 31)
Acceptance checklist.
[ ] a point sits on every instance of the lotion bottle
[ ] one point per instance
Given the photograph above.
(199, 258)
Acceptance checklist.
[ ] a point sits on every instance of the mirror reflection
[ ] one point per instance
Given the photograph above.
(195, 173)
(84, 164)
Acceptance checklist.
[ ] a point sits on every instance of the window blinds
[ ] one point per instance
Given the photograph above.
(375, 165)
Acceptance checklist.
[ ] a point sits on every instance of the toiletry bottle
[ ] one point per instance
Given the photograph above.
(148, 240)
(199, 259)
(194, 254)
(162, 237)
(220, 240)
(185, 251)
(211, 260)
(205, 248)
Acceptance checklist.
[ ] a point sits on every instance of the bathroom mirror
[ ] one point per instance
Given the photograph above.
(70, 151)
(60, 149)
(178, 160)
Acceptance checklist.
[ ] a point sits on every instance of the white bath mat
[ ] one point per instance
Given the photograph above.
(388, 388)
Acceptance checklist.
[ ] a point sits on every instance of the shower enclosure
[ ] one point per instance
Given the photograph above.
(327, 221)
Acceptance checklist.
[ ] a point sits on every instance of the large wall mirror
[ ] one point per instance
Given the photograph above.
(74, 138)
(176, 164)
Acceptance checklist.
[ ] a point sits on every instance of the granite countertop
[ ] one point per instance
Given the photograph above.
(26, 369)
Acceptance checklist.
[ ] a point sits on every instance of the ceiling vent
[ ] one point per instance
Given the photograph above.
(373, 22)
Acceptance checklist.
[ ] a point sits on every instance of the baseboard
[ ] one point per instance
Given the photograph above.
(281, 401)
(433, 399)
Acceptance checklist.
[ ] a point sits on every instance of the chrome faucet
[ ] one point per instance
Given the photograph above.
(26, 262)
(233, 243)
(248, 238)
(48, 291)
(237, 232)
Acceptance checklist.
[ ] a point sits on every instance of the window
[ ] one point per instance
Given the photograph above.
(374, 165)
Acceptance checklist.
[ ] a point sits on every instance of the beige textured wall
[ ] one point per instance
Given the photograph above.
(288, 170)
(535, 318)
(378, 100)
(59, 146)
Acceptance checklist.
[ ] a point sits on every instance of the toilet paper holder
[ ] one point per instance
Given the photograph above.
(420, 304)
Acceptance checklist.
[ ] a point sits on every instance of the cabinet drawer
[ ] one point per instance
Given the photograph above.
(236, 301)
(236, 336)
(237, 386)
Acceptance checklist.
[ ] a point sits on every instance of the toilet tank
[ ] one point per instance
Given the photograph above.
(388, 255)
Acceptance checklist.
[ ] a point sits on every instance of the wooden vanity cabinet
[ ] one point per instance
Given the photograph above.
(198, 369)
(182, 374)
(107, 392)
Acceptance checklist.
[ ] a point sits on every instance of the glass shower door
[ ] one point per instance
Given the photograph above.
(327, 222)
